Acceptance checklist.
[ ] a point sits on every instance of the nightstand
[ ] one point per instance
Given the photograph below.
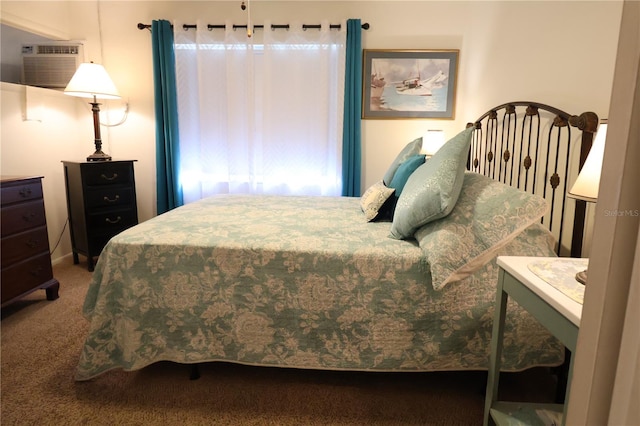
(547, 289)
(101, 202)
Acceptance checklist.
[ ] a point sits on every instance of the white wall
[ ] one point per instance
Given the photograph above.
(37, 146)
(559, 53)
(48, 19)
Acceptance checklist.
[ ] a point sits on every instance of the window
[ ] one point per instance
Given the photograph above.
(260, 114)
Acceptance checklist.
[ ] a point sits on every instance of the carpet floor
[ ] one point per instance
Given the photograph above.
(40, 346)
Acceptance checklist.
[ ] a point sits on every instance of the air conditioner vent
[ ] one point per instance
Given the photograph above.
(63, 49)
(50, 65)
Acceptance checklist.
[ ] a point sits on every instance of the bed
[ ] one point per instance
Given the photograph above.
(337, 283)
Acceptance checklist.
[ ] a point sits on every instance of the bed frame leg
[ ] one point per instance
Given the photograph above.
(195, 372)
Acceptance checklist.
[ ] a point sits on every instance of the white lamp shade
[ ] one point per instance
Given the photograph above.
(432, 142)
(92, 80)
(586, 186)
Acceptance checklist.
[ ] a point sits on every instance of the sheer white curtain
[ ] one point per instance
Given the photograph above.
(260, 114)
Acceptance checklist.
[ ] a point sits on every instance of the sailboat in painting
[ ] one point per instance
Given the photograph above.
(418, 87)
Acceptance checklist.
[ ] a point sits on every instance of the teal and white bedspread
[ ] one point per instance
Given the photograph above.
(302, 282)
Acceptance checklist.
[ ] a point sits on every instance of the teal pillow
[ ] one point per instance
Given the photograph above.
(404, 171)
(432, 190)
(412, 148)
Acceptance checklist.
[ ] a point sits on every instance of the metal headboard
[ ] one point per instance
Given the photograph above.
(530, 146)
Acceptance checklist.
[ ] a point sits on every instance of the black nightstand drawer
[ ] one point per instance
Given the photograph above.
(110, 197)
(107, 173)
(112, 219)
(100, 240)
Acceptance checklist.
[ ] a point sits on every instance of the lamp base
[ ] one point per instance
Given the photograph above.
(99, 156)
(581, 277)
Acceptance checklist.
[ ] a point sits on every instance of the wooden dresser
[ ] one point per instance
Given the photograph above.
(101, 201)
(26, 261)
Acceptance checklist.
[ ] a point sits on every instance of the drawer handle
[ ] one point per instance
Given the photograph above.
(25, 192)
(105, 177)
(109, 200)
(108, 220)
(28, 217)
(37, 271)
(32, 243)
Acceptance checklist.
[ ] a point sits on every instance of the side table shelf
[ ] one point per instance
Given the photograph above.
(553, 302)
(534, 414)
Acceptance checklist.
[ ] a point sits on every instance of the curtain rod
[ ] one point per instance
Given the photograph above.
(186, 27)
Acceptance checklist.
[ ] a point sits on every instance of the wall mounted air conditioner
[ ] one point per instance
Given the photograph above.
(50, 64)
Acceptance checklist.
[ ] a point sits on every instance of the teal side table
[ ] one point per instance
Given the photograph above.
(547, 289)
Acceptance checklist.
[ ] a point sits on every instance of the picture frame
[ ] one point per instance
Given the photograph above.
(404, 84)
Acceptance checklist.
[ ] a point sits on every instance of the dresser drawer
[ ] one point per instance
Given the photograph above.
(20, 217)
(21, 192)
(111, 220)
(24, 276)
(107, 174)
(24, 245)
(110, 197)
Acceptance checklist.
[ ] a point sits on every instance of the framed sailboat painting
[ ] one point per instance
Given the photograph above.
(409, 83)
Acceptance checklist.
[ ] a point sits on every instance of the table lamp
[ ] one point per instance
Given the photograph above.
(586, 186)
(92, 81)
(432, 142)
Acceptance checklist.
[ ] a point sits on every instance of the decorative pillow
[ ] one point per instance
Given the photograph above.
(432, 190)
(373, 199)
(487, 217)
(404, 171)
(412, 148)
(386, 211)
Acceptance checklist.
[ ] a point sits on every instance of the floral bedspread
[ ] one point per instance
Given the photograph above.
(300, 282)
